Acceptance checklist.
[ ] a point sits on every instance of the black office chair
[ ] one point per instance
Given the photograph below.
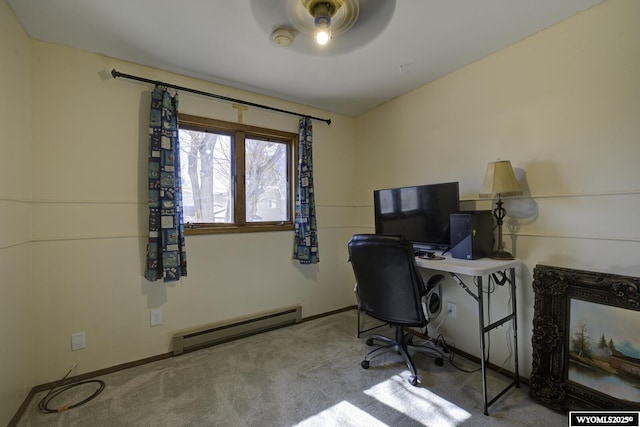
(390, 288)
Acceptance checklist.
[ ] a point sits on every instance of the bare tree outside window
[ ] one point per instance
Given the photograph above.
(205, 160)
(266, 180)
(235, 177)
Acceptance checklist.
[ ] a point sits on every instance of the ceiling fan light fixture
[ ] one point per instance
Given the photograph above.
(322, 20)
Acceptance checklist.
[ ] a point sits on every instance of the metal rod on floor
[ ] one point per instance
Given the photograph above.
(117, 74)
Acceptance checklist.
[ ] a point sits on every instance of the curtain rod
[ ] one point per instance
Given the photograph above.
(117, 74)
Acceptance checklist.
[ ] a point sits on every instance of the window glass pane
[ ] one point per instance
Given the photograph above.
(266, 184)
(207, 190)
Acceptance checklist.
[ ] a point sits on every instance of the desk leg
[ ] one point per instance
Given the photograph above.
(482, 345)
(512, 273)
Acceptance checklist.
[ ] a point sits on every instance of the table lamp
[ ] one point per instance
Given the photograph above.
(499, 182)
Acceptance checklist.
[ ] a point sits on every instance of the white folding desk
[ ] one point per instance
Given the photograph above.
(478, 269)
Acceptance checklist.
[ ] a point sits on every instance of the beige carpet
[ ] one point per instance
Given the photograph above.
(304, 375)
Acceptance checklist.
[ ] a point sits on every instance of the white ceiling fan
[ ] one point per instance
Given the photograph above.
(353, 23)
(323, 19)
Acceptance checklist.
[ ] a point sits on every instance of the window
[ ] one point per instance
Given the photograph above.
(236, 178)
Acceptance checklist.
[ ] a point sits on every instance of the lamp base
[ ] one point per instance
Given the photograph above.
(503, 255)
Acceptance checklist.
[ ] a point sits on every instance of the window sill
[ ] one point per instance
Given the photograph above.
(197, 229)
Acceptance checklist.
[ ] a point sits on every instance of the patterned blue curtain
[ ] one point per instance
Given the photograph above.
(166, 254)
(305, 244)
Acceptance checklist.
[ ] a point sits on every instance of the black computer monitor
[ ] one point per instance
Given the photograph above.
(419, 213)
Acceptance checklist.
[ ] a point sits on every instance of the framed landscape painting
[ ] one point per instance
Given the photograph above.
(604, 349)
(586, 340)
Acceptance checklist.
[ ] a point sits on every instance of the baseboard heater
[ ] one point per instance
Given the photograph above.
(216, 333)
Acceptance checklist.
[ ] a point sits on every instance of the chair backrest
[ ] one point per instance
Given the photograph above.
(389, 283)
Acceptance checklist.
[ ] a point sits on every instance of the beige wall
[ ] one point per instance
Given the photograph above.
(73, 243)
(563, 106)
(89, 172)
(16, 306)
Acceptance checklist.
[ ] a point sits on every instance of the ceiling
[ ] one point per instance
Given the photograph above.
(393, 48)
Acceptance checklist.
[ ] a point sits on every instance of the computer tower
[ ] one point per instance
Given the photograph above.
(471, 234)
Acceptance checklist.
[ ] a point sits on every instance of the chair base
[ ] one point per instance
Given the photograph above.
(401, 344)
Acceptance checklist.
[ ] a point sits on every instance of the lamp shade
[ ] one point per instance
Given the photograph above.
(500, 181)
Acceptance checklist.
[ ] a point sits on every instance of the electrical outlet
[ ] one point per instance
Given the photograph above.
(451, 309)
(78, 341)
(156, 317)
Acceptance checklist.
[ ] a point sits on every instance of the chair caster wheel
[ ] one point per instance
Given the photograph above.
(364, 364)
(413, 380)
(369, 342)
(439, 361)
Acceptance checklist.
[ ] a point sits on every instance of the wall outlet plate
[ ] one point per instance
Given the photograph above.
(78, 341)
(451, 309)
(156, 317)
